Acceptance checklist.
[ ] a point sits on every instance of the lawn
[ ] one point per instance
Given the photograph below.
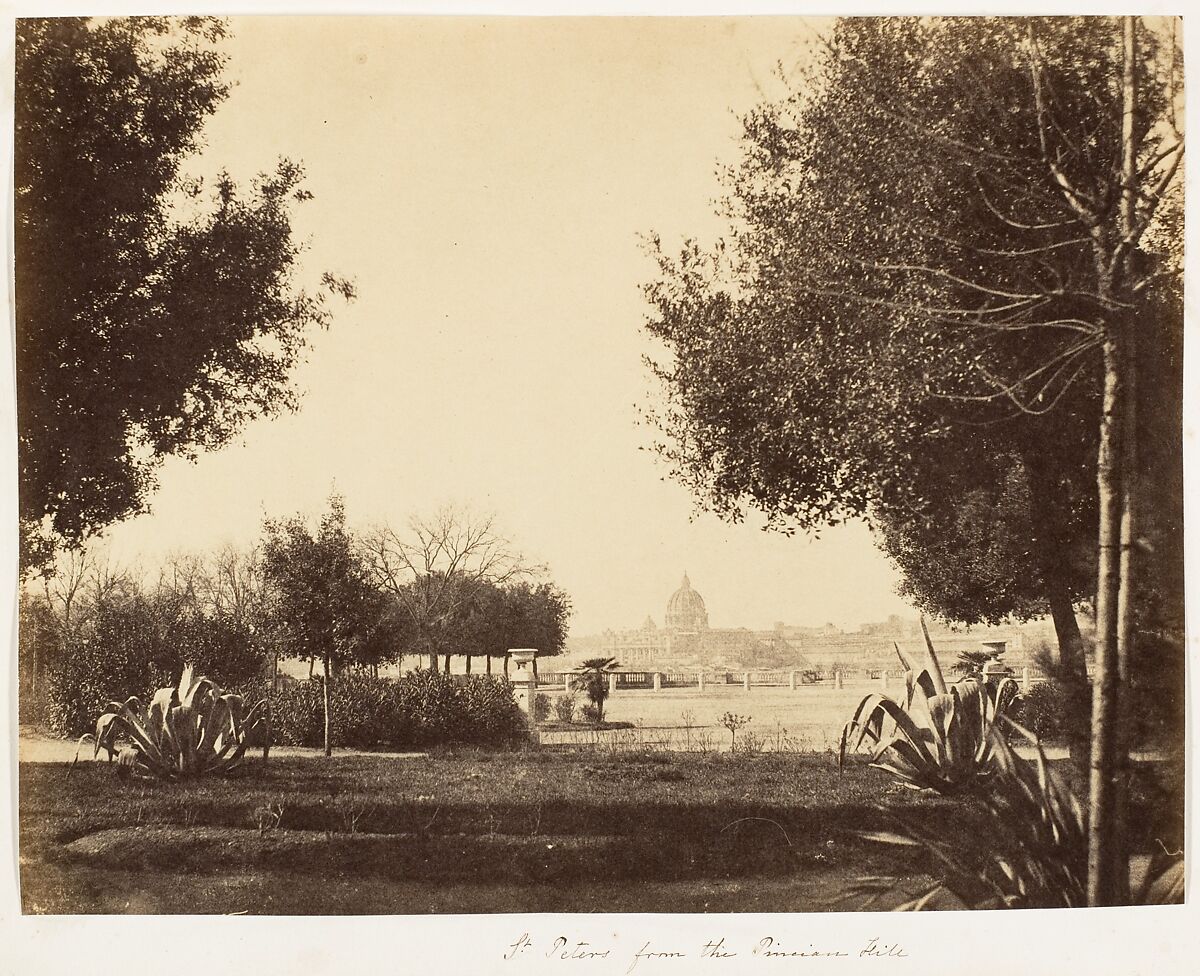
(538, 830)
(551, 831)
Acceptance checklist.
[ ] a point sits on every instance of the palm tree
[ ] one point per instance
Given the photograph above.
(595, 673)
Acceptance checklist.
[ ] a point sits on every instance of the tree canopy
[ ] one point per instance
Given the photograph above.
(904, 322)
(155, 314)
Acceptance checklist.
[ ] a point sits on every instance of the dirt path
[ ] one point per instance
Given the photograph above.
(35, 748)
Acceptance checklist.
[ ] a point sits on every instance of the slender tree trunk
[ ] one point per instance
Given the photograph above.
(1106, 686)
(275, 668)
(489, 663)
(447, 667)
(506, 664)
(1108, 863)
(1126, 618)
(311, 664)
(325, 701)
(1130, 465)
(468, 664)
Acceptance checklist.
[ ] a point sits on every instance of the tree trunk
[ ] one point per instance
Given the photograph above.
(275, 668)
(325, 701)
(311, 664)
(447, 668)
(1106, 686)
(489, 663)
(468, 664)
(1108, 863)
(506, 664)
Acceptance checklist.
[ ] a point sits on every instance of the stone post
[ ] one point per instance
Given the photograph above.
(657, 681)
(792, 681)
(566, 684)
(612, 683)
(524, 682)
(837, 680)
(883, 679)
(700, 681)
(746, 680)
(1025, 679)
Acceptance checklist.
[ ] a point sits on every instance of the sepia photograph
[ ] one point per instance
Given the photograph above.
(701, 466)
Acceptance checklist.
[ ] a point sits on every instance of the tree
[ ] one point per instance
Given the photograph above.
(434, 571)
(942, 246)
(155, 315)
(323, 604)
(523, 614)
(595, 673)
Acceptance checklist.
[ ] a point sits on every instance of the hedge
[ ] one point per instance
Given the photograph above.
(420, 709)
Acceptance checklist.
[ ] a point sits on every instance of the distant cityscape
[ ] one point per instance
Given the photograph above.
(686, 640)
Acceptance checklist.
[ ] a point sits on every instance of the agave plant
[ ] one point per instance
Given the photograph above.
(940, 736)
(192, 730)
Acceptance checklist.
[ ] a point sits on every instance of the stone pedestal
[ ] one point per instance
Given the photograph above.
(612, 684)
(1025, 686)
(792, 681)
(837, 680)
(657, 681)
(700, 681)
(523, 680)
(883, 680)
(746, 681)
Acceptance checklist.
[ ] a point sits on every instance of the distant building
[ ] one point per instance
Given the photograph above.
(687, 641)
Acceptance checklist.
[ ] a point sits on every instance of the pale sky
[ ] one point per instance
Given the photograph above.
(485, 183)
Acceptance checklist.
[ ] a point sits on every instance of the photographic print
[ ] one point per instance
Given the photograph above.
(659, 465)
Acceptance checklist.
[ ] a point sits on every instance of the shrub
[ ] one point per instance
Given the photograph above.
(564, 708)
(115, 660)
(590, 713)
(422, 708)
(185, 732)
(939, 737)
(733, 722)
(1042, 710)
(541, 707)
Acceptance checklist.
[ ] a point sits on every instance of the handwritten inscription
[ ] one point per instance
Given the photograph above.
(566, 949)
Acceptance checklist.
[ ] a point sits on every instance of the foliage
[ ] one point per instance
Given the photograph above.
(541, 706)
(1043, 710)
(733, 722)
(887, 330)
(592, 714)
(420, 709)
(127, 353)
(122, 651)
(187, 731)
(594, 682)
(1035, 851)
(939, 737)
(448, 573)
(564, 708)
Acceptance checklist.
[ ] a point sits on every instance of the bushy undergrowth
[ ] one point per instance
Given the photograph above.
(420, 709)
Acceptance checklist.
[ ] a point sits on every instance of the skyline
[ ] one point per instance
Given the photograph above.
(485, 183)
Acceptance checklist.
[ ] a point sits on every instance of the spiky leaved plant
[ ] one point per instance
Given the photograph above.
(939, 737)
(1034, 853)
(192, 730)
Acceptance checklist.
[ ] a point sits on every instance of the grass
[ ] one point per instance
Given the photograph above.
(567, 824)
(563, 830)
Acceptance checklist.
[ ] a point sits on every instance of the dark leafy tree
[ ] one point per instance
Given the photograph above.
(155, 315)
(322, 602)
(946, 248)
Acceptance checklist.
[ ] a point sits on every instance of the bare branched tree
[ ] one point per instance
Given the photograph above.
(432, 567)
